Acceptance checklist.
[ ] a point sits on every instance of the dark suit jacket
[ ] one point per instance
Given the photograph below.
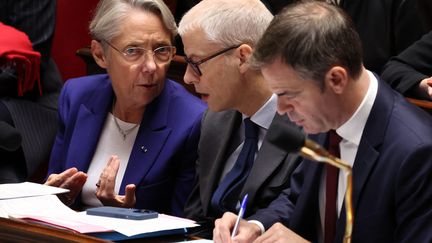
(391, 178)
(269, 175)
(33, 115)
(169, 131)
(386, 27)
(405, 71)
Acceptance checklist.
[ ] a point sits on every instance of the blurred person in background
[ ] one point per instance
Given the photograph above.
(28, 115)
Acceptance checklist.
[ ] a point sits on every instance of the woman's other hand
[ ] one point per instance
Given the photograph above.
(106, 184)
(71, 179)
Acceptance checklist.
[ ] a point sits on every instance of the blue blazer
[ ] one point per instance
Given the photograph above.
(392, 180)
(163, 156)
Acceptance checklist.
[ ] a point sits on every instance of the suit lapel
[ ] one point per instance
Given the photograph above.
(85, 139)
(363, 166)
(88, 126)
(263, 166)
(151, 138)
(368, 153)
(216, 149)
(372, 138)
(144, 154)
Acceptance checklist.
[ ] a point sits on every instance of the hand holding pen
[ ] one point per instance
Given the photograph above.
(231, 225)
(240, 215)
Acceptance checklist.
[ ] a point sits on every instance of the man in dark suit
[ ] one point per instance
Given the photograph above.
(33, 115)
(386, 27)
(318, 75)
(217, 55)
(411, 71)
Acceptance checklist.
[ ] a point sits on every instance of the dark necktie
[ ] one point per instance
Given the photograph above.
(226, 196)
(332, 177)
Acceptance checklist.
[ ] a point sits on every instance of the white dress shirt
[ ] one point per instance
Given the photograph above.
(351, 133)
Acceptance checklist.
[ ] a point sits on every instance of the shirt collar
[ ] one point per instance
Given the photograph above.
(352, 130)
(261, 117)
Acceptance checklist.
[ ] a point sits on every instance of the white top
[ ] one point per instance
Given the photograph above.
(110, 143)
(351, 133)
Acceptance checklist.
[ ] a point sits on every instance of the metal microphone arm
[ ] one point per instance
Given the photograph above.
(323, 156)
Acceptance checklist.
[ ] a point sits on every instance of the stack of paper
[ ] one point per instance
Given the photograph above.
(27, 189)
(35, 202)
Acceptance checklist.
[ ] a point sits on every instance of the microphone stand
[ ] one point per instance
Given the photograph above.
(323, 156)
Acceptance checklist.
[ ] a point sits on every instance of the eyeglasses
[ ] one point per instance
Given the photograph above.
(133, 54)
(195, 65)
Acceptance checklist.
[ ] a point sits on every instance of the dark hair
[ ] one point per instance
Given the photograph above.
(311, 37)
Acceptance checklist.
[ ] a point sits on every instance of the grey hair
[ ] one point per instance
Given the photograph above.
(311, 37)
(228, 22)
(110, 13)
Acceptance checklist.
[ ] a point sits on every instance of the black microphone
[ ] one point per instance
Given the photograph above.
(286, 136)
(290, 138)
(10, 138)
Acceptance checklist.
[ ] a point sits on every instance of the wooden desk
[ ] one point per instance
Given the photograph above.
(21, 231)
(424, 104)
(175, 72)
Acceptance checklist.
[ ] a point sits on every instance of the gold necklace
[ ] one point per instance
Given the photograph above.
(126, 132)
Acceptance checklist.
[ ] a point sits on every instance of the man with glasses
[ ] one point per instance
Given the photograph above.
(318, 74)
(234, 159)
(128, 138)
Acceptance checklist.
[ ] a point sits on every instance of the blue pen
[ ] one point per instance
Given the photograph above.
(240, 215)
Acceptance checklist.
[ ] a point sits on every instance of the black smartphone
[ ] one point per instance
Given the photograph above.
(123, 213)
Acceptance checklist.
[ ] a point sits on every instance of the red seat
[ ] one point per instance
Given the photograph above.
(73, 18)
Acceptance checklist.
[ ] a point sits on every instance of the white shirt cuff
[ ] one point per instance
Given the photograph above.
(259, 224)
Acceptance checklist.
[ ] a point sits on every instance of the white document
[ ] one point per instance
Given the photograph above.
(134, 227)
(51, 210)
(27, 189)
(47, 209)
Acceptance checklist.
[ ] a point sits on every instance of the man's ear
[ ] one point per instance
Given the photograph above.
(98, 54)
(244, 52)
(336, 79)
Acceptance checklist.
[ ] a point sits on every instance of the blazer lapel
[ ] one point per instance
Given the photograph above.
(368, 153)
(268, 159)
(88, 127)
(216, 150)
(363, 166)
(85, 139)
(151, 138)
(372, 138)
